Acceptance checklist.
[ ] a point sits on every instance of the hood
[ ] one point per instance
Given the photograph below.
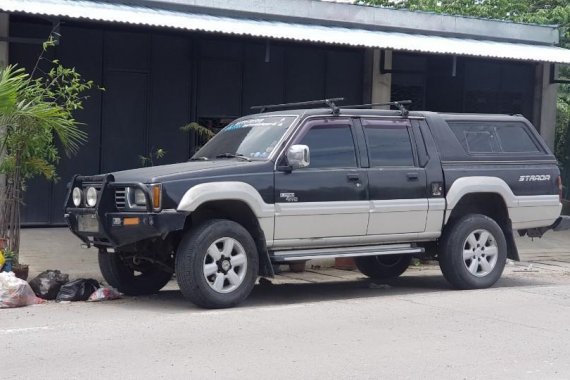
(165, 172)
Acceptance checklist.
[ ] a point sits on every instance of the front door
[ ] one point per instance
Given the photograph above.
(329, 197)
(397, 184)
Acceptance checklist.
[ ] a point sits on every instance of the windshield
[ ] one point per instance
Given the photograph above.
(251, 138)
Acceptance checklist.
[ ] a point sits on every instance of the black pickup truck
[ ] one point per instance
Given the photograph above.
(381, 186)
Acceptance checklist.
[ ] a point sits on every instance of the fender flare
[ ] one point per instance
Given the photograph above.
(225, 190)
(470, 185)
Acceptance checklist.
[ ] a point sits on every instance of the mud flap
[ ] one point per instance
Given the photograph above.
(265, 266)
(512, 250)
(562, 223)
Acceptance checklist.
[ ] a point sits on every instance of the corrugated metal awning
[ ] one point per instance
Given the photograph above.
(334, 35)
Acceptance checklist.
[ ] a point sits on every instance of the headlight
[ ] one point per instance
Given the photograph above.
(140, 199)
(137, 198)
(91, 197)
(77, 196)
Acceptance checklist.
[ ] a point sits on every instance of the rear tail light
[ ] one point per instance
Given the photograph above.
(560, 187)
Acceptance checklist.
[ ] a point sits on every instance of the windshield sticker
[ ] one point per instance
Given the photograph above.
(260, 122)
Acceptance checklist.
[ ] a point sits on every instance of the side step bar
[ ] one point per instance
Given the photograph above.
(309, 254)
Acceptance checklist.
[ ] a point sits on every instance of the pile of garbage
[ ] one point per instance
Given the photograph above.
(51, 285)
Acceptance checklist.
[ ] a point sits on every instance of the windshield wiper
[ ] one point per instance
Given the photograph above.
(199, 159)
(231, 155)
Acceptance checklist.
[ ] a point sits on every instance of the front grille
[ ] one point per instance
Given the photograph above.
(120, 198)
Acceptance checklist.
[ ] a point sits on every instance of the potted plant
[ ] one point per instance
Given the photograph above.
(8, 260)
(36, 118)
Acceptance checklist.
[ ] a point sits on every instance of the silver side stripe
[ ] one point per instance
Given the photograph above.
(538, 200)
(436, 204)
(322, 208)
(399, 205)
(356, 207)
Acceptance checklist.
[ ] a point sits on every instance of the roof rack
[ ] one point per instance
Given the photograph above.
(400, 104)
(327, 102)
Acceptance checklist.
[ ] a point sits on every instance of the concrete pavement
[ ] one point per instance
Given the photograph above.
(323, 323)
(57, 248)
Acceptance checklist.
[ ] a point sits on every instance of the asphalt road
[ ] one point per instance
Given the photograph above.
(415, 328)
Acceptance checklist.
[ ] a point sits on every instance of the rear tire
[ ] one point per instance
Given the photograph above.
(473, 252)
(383, 267)
(217, 264)
(122, 277)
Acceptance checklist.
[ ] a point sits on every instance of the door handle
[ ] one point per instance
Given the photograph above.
(412, 176)
(353, 177)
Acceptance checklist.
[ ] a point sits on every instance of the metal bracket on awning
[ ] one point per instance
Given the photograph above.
(554, 79)
(22, 40)
(384, 70)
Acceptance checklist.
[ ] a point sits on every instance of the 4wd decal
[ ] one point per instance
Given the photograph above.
(289, 197)
(533, 178)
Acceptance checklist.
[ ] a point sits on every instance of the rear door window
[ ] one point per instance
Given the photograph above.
(389, 143)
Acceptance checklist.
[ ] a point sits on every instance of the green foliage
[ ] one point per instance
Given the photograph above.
(35, 110)
(562, 144)
(8, 254)
(154, 155)
(200, 130)
(532, 11)
(36, 117)
(158, 153)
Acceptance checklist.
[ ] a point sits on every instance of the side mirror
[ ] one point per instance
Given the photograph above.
(298, 156)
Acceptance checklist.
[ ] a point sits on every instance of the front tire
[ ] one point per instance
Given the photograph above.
(383, 267)
(217, 264)
(124, 278)
(473, 252)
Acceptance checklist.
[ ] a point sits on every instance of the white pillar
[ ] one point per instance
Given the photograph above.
(548, 107)
(381, 83)
(4, 26)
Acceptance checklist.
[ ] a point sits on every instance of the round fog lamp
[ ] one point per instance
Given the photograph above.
(77, 195)
(91, 197)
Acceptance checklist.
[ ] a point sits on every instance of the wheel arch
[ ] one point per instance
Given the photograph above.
(240, 212)
(492, 204)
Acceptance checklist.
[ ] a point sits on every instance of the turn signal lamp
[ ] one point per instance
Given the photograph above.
(156, 196)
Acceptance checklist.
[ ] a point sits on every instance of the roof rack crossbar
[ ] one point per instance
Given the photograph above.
(327, 102)
(400, 104)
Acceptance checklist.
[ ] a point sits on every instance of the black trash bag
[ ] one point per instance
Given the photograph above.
(46, 285)
(78, 290)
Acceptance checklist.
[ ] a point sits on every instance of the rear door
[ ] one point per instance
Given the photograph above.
(329, 197)
(397, 184)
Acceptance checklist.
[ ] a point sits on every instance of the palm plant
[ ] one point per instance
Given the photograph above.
(35, 115)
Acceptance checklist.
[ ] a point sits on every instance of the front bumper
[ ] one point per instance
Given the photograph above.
(117, 229)
(106, 226)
